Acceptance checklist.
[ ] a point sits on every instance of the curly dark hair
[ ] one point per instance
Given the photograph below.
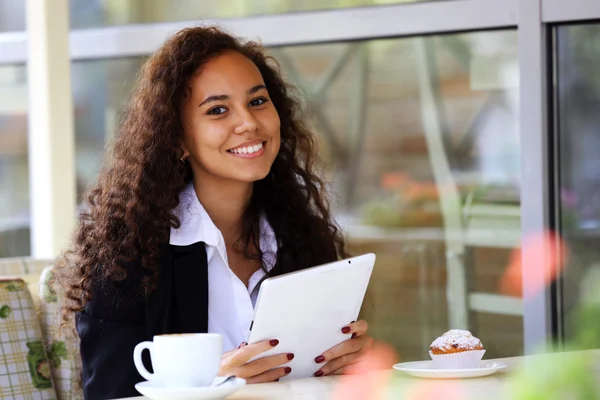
(130, 210)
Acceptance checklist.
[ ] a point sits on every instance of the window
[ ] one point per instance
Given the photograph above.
(578, 145)
(12, 15)
(100, 89)
(397, 118)
(14, 171)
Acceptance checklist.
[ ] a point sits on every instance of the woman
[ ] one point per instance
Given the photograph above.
(210, 187)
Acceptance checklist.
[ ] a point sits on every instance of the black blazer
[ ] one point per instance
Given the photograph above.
(119, 317)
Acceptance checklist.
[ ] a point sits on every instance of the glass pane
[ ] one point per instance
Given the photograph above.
(94, 13)
(420, 134)
(12, 15)
(100, 89)
(14, 170)
(578, 89)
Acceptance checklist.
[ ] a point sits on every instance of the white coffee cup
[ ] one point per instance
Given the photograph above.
(181, 360)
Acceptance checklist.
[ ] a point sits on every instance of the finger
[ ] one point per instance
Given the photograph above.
(270, 376)
(242, 355)
(356, 329)
(338, 363)
(261, 365)
(346, 347)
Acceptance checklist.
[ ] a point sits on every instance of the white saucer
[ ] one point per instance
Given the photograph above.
(157, 391)
(425, 369)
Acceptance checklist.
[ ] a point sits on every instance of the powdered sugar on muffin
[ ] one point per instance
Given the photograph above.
(455, 340)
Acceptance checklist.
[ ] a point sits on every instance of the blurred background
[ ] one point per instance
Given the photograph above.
(421, 126)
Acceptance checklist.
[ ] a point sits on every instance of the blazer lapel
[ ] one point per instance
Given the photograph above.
(159, 303)
(189, 289)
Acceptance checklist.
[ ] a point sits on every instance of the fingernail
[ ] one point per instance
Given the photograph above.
(287, 370)
(274, 342)
(346, 329)
(290, 356)
(319, 373)
(320, 359)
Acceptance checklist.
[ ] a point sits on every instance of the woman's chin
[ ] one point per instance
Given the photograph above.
(256, 178)
(251, 176)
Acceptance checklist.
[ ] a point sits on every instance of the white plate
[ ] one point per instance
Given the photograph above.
(425, 369)
(156, 391)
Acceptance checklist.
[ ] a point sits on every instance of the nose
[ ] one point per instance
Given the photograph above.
(247, 123)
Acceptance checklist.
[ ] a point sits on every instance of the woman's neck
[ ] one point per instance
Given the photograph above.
(225, 203)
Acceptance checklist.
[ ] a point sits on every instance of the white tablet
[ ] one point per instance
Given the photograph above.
(306, 310)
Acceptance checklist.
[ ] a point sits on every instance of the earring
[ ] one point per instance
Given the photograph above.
(182, 159)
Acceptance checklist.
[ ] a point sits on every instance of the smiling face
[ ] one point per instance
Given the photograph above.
(231, 127)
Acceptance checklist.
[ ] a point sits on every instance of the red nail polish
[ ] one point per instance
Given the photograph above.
(274, 342)
(346, 329)
(319, 373)
(287, 370)
(319, 359)
(290, 356)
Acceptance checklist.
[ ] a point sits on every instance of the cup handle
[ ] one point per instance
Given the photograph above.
(137, 359)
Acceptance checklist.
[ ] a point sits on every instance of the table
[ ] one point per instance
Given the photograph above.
(394, 384)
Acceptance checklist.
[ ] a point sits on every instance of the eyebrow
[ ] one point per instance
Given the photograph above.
(223, 97)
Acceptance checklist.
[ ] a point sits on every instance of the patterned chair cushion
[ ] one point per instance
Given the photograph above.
(25, 370)
(27, 268)
(62, 347)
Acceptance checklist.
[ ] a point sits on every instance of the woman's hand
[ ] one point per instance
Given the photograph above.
(341, 359)
(266, 369)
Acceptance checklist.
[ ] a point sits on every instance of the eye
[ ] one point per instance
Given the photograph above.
(217, 111)
(259, 101)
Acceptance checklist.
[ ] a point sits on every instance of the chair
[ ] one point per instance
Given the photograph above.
(25, 368)
(34, 291)
(63, 347)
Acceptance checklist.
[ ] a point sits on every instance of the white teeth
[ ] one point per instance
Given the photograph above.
(247, 150)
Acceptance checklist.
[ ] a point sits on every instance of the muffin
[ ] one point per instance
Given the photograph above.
(456, 349)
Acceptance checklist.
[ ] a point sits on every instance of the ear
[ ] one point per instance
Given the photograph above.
(186, 153)
(187, 93)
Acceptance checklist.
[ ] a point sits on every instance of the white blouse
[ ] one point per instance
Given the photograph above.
(230, 303)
